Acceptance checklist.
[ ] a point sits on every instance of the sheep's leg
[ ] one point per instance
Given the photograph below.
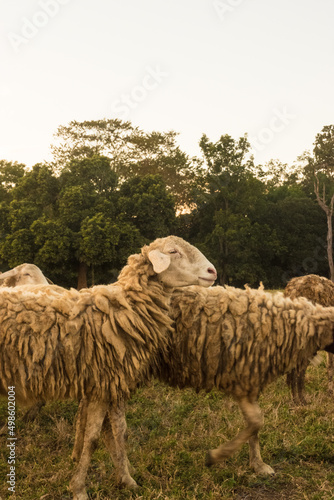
(296, 381)
(255, 459)
(32, 413)
(29, 415)
(80, 426)
(330, 371)
(115, 435)
(254, 420)
(301, 386)
(96, 412)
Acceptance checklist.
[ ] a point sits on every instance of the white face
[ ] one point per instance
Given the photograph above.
(178, 263)
(25, 274)
(26, 278)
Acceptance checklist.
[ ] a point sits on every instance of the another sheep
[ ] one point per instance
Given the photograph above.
(237, 341)
(240, 341)
(24, 274)
(97, 343)
(318, 290)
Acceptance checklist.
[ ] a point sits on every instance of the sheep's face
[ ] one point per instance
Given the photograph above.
(25, 274)
(177, 263)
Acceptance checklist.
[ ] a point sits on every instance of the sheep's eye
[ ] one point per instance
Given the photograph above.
(176, 253)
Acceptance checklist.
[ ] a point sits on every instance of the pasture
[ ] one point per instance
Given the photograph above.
(169, 433)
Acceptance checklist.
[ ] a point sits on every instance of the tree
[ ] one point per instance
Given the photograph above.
(145, 203)
(158, 153)
(30, 195)
(104, 239)
(227, 198)
(79, 140)
(130, 152)
(87, 213)
(297, 221)
(10, 174)
(78, 219)
(321, 166)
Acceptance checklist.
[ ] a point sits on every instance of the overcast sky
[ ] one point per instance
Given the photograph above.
(261, 67)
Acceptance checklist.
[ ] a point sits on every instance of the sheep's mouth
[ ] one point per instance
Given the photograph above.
(209, 280)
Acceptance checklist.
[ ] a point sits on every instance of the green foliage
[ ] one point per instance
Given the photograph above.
(10, 174)
(93, 174)
(255, 223)
(130, 151)
(301, 229)
(113, 188)
(18, 247)
(79, 217)
(52, 239)
(101, 238)
(228, 203)
(324, 151)
(38, 186)
(81, 140)
(157, 153)
(144, 202)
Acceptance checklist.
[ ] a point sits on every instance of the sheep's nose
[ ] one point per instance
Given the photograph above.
(211, 270)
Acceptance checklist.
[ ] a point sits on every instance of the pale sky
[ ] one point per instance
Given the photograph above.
(261, 67)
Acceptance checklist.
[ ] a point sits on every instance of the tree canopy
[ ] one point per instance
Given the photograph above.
(112, 188)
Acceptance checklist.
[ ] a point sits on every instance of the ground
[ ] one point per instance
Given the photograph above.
(169, 433)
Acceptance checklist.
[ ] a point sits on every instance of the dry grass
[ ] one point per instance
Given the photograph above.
(169, 434)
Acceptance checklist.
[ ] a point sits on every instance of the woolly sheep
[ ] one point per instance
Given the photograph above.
(24, 274)
(237, 341)
(97, 343)
(318, 290)
(240, 341)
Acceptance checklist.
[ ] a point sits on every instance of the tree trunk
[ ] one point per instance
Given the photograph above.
(93, 275)
(82, 275)
(330, 244)
(328, 209)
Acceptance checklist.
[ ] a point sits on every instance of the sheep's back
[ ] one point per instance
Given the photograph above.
(38, 343)
(58, 343)
(317, 289)
(237, 340)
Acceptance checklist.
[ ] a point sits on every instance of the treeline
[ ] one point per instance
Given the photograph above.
(112, 188)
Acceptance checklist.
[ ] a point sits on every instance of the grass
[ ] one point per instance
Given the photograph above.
(169, 433)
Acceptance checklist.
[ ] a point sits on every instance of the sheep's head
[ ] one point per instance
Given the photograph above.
(25, 274)
(177, 263)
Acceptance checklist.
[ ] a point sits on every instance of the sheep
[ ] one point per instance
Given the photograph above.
(318, 290)
(24, 274)
(96, 343)
(237, 341)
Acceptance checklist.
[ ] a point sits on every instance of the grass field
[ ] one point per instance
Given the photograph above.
(169, 433)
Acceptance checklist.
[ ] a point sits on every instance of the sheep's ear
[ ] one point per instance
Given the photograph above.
(8, 274)
(159, 260)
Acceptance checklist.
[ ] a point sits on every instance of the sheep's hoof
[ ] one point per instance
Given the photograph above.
(80, 496)
(128, 482)
(78, 489)
(209, 460)
(300, 401)
(264, 470)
